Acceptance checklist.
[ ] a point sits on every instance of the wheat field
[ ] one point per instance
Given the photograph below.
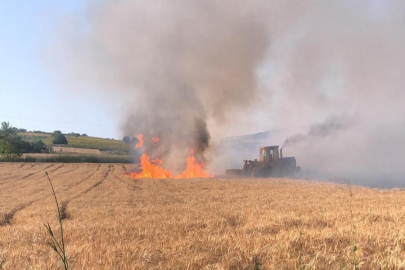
(114, 222)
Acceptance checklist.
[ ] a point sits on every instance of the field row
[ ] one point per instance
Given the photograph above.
(115, 222)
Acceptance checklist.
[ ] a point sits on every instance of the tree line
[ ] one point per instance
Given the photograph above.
(13, 146)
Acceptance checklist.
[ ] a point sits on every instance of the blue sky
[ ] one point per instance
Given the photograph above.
(29, 96)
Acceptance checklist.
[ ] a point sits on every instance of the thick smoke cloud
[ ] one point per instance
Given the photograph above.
(345, 59)
(192, 71)
(174, 64)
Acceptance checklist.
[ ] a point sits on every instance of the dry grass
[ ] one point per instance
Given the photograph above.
(114, 222)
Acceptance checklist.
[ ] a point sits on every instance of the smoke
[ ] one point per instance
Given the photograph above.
(172, 64)
(330, 127)
(343, 71)
(193, 71)
(364, 154)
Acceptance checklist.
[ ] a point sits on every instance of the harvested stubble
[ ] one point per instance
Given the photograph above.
(115, 222)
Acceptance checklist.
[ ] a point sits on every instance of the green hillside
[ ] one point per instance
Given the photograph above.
(81, 142)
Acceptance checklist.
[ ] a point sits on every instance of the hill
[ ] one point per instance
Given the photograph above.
(109, 145)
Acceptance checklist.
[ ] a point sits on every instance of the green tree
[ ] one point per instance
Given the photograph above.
(38, 146)
(11, 145)
(58, 138)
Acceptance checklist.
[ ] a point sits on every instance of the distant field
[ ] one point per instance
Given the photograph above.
(81, 142)
(58, 149)
(66, 157)
(115, 222)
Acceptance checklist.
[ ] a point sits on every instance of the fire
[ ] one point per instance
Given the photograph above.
(193, 170)
(153, 169)
(154, 140)
(140, 141)
(157, 161)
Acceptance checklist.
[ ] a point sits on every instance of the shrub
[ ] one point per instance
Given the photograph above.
(38, 146)
(126, 139)
(58, 138)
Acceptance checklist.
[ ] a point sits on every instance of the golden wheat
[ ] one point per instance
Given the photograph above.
(115, 222)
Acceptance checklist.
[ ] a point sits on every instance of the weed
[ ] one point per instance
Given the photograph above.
(299, 264)
(355, 260)
(63, 209)
(256, 263)
(59, 248)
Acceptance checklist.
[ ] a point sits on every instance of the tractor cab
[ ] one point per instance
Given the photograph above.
(269, 154)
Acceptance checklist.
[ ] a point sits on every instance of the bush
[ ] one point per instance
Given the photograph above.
(126, 139)
(74, 134)
(38, 146)
(58, 138)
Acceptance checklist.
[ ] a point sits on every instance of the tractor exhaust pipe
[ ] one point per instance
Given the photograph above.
(281, 153)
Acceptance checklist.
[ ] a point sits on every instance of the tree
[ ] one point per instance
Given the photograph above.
(126, 139)
(11, 145)
(58, 138)
(38, 146)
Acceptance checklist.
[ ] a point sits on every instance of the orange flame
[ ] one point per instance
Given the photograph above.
(154, 140)
(193, 170)
(150, 170)
(154, 170)
(157, 161)
(140, 141)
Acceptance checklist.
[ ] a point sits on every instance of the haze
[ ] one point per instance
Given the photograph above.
(326, 73)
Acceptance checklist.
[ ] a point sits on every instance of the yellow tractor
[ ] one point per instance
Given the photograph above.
(271, 163)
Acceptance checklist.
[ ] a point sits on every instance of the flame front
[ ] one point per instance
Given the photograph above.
(193, 170)
(140, 141)
(153, 169)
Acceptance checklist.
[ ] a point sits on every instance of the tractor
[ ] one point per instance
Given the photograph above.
(271, 163)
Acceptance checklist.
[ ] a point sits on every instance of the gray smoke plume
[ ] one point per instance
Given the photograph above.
(173, 64)
(330, 127)
(189, 71)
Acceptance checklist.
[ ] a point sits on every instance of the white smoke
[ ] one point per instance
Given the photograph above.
(239, 66)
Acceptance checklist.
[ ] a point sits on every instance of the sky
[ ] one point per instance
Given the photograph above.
(29, 96)
(31, 93)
